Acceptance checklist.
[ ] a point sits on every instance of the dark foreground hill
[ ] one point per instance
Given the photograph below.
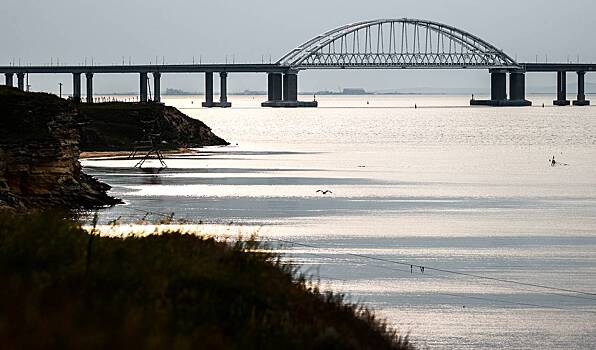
(65, 289)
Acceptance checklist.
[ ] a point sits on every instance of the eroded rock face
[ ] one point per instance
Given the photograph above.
(39, 155)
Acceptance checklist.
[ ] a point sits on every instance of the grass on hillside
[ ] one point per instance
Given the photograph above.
(63, 288)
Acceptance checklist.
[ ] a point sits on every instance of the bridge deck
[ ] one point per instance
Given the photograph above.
(167, 68)
(253, 68)
(559, 67)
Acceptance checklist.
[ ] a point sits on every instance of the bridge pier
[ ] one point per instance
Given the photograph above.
(21, 81)
(561, 90)
(143, 87)
(8, 79)
(223, 90)
(208, 90)
(517, 86)
(498, 90)
(290, 87)
(76, 87)
(89, 86)
(157, 87)
(274, 86)
(283, 91)
(498, 85)
(581, 90)
(223, 87)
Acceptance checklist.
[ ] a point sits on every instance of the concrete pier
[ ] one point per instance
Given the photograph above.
(89, 85)
(561, 90)
(581, 90)
(208, 90)
(498, 90)
(76, 87)
(498, 85)
(21, 81)
(283, 92)
(517, 86)
(223, 98)
(143, 87)
(517, 89)
(223, 91)
(157, 87)
(8, 79)
(290, 87)
(274, 86)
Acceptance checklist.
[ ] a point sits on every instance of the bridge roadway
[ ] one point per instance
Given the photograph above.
(166, 68)
(558, 67)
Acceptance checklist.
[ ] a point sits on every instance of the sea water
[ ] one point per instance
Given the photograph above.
(507, 242)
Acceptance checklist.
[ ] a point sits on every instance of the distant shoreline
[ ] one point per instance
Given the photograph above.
(570, 93)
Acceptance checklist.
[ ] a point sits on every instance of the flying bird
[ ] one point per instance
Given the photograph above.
(326, 192)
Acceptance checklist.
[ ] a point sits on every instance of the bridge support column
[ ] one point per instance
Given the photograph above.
(89, 86)
(76, 87)
(274, 86)
(157, 87)
(290, 87)
(561, 90)
(208, 90)
(283, 91)
(223, 91)
(517, 89)
(498, 85)
(498, 90)
(517, 86)
(21, 81)
(581, 90)
(143, 87)
(8, 79)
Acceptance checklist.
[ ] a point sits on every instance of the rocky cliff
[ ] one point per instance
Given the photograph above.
(121, 126)
(39, 155)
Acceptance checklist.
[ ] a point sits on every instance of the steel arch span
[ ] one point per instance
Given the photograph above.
(397, 43)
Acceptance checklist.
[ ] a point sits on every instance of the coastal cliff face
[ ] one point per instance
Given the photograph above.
(120, 126)
(41, 137)
(39, 155)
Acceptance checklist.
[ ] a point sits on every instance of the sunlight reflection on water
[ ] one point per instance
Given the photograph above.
(457, 188)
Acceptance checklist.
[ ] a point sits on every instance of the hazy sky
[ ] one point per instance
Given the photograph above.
(38, 31)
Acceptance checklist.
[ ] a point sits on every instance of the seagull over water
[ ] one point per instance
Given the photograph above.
(325, 192)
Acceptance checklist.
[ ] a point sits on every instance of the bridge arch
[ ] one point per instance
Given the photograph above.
(397, 43)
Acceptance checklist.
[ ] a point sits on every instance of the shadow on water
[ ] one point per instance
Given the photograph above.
(265, 209)
(237, 181)
(173, 170)
(166, 157)
(245, 153)
(152, 177)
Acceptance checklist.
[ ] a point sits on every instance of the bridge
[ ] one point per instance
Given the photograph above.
(376, 44)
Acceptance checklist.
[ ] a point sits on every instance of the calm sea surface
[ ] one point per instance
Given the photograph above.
(464, 192)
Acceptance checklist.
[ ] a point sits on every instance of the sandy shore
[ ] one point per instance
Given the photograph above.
(104, 154)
